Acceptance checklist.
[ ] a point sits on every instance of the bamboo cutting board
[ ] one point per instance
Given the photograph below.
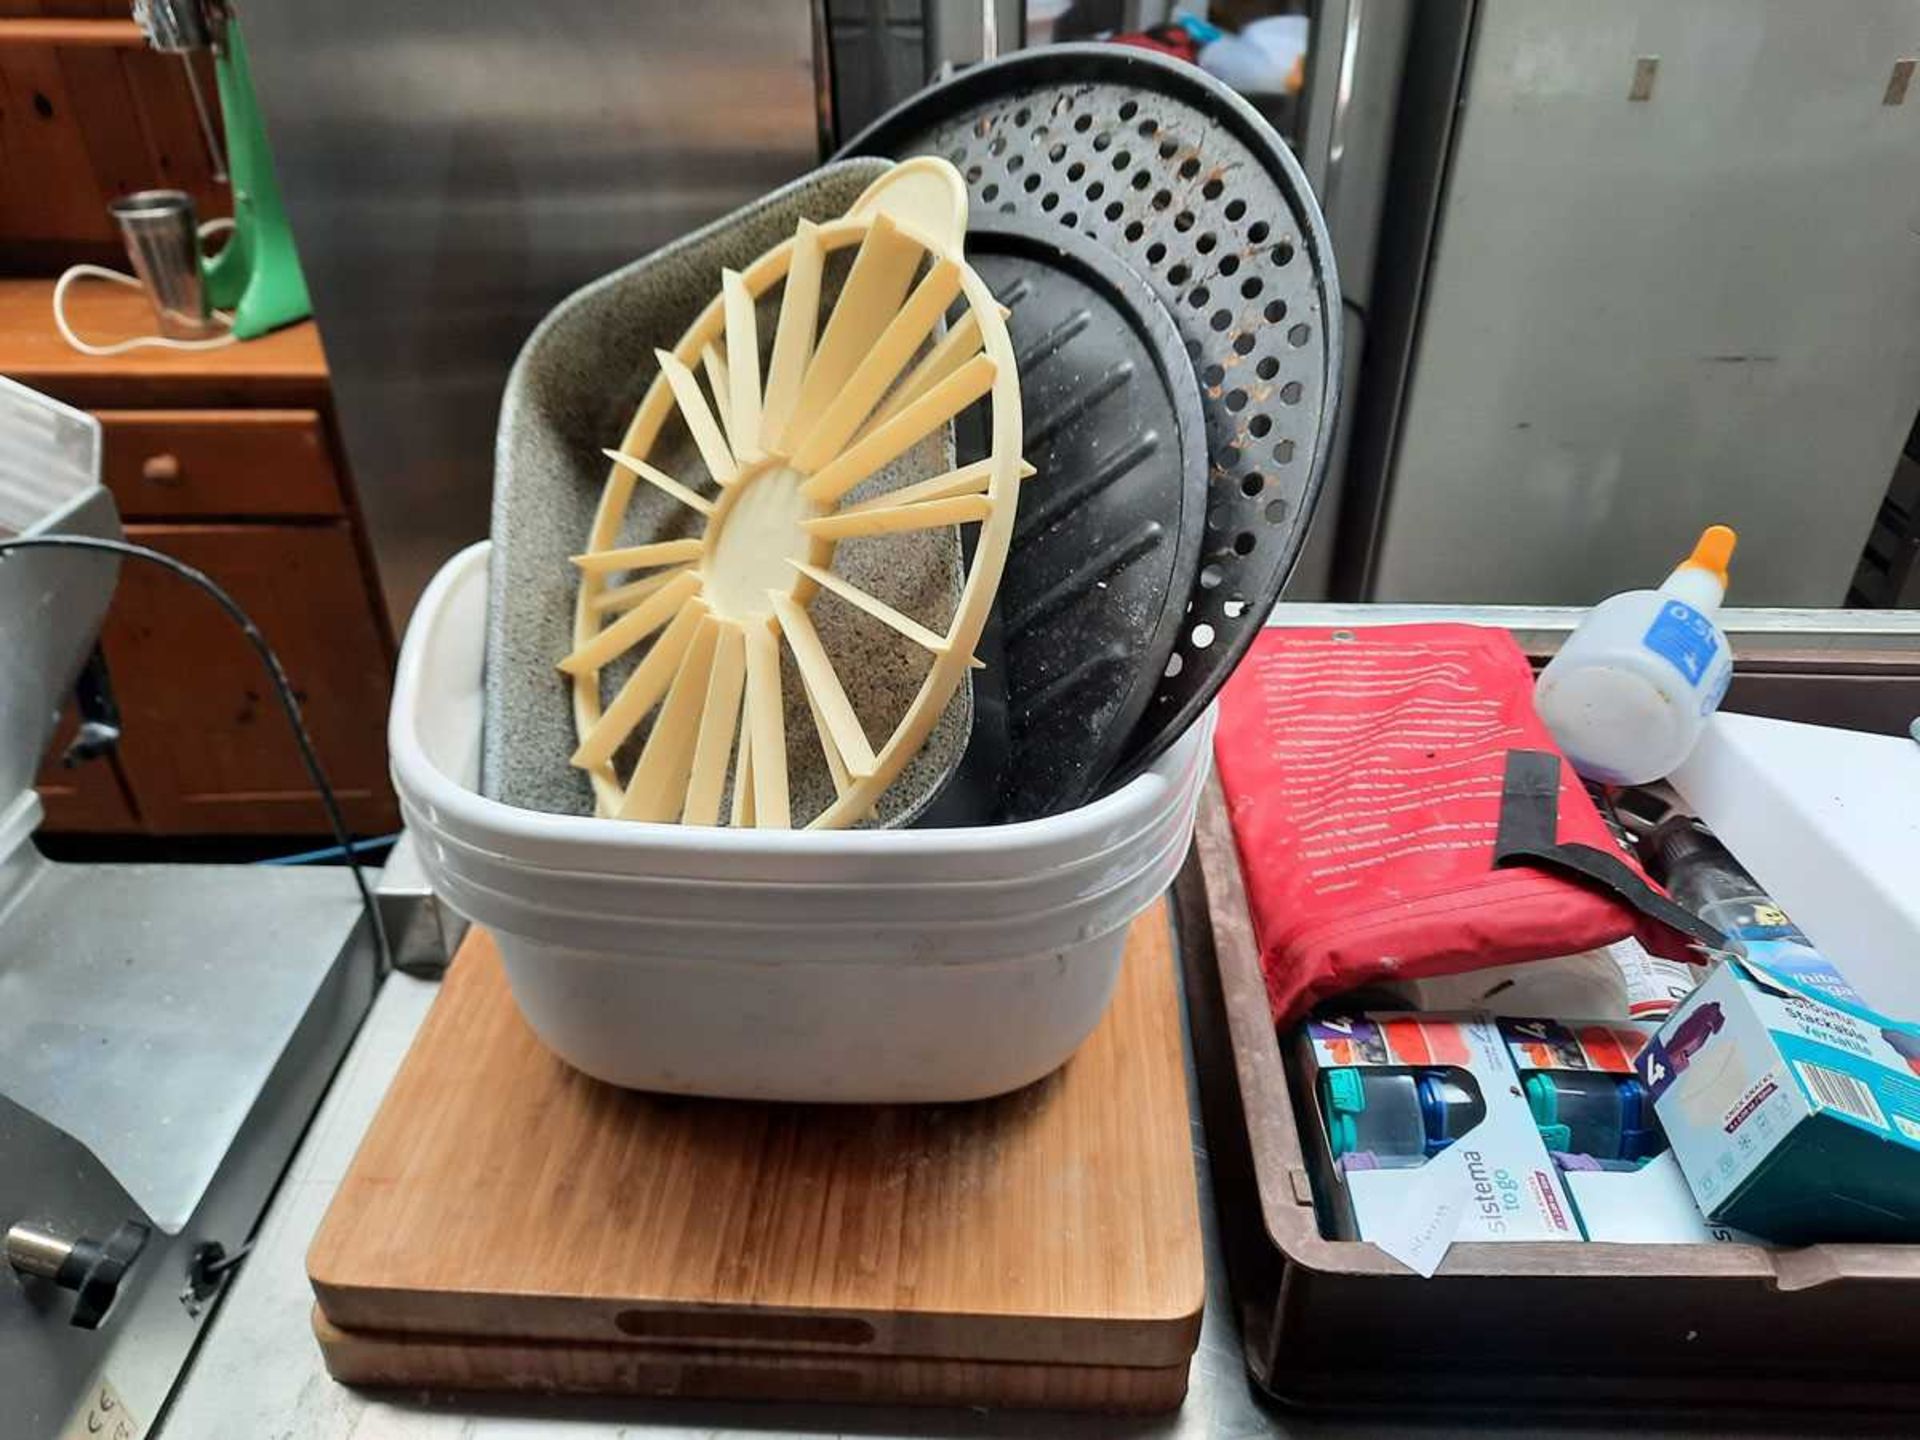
(452, 1362)
(501, 1196)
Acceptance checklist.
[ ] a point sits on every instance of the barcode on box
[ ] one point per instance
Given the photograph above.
(1836, 1091)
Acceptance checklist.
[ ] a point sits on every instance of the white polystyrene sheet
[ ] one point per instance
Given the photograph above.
(1828, 821)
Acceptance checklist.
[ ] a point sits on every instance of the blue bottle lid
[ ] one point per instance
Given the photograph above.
(1636, 1106)
(1447, 1109)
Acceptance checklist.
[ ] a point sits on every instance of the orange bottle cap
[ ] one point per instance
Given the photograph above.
(1713, 551)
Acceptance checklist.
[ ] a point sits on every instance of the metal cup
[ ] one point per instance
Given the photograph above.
(163, 242)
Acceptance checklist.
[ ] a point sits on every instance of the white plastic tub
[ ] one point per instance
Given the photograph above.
(900, 965)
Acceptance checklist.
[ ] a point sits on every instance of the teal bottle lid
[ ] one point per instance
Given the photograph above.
(1344, 1096)
(1343, 1136)
(1542, 1098)
(1345, 1091)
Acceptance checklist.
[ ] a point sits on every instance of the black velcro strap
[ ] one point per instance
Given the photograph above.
(1530, 823)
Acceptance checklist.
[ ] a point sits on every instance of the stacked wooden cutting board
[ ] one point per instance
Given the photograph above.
(512, 1224)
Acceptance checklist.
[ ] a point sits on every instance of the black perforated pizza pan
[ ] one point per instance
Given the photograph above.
(1162, 165)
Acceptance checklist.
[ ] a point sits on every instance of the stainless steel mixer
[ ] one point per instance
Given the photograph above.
(166, 1031)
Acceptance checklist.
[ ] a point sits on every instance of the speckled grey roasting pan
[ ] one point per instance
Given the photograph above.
(573, 390)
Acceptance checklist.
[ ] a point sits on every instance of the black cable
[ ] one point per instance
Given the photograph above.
(283, 687)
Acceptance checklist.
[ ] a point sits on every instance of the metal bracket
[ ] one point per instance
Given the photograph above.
(99, 732)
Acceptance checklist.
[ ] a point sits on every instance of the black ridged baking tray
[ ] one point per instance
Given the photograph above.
(1106, 545)
(1158, 163)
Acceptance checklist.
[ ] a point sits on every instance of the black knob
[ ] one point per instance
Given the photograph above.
(93, 1269)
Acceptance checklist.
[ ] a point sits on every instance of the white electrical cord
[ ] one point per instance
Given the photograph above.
(120, 347)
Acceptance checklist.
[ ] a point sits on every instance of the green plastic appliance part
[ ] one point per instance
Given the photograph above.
(257, 274)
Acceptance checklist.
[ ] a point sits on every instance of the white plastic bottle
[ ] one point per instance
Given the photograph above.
(1628, 693)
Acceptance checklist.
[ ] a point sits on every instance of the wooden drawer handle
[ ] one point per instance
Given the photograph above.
(161, 469)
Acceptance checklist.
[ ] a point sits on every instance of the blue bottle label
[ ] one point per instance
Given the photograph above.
(1684, 638)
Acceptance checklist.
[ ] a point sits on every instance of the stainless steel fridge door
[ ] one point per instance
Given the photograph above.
(1674, 280)
(454, 169)
(1355, 65)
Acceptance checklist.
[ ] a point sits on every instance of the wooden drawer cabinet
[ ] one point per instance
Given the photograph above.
(227, 460)
(204, 746)
(171, 464)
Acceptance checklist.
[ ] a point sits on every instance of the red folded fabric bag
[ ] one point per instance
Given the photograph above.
(1364, 773)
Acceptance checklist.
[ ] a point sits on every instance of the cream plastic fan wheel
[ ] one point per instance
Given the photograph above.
(782, 460)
